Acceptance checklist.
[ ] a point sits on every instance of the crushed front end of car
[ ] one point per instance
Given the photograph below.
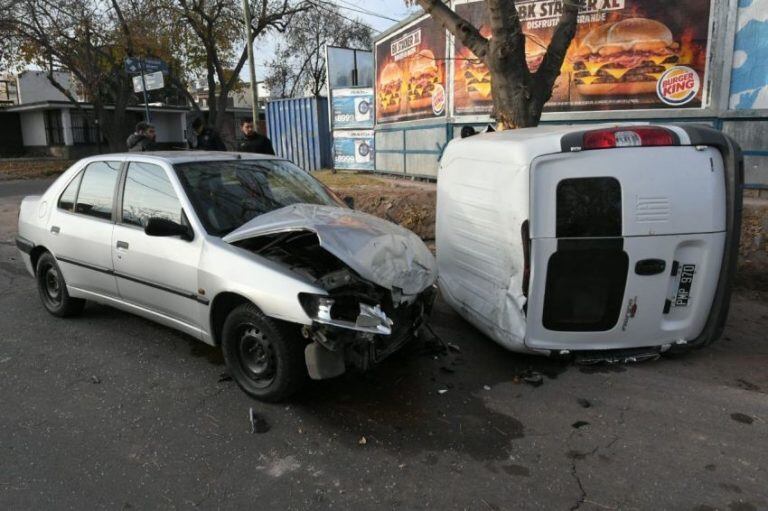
(379, 281)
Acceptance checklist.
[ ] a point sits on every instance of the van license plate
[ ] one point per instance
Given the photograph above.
(684, 289)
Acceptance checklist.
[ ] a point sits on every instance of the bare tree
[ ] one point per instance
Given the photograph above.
(216, 28)
(519, 95)
(88, 40)
(299, 63)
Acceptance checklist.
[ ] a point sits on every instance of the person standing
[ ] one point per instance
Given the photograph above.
(142, 139)
(253, 142)
(205, 138)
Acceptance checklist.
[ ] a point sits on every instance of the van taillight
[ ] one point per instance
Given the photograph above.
(634, 136)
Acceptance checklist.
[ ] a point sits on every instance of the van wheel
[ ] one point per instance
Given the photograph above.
(262, 356)
(53, 289)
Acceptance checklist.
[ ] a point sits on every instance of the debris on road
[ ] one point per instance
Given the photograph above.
(225, 377)
(533, 378)
(453, 347)
(442, 391)
(95, 379)
(258, 423)
(362, 441)
(742, 418)
(486, 387)
(579, 424)
(584, 403)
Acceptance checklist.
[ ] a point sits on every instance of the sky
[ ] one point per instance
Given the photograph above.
(395, 9)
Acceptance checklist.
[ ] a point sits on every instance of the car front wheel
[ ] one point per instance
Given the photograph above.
(53, 289)
(262, 356)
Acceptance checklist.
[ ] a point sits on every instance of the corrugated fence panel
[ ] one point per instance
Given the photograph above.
(299, 131)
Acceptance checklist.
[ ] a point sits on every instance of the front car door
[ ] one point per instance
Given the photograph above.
(81, 225)
(155, 273)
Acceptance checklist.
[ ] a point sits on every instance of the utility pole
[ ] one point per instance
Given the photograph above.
(144, 89)
(252, 68)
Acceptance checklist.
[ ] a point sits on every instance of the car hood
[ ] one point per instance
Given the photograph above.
(384, 253)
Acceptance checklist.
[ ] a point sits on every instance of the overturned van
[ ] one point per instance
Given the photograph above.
(594, 240)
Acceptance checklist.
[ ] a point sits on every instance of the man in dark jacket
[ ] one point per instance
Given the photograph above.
(253, 142)
(142, 139)
(205, 138)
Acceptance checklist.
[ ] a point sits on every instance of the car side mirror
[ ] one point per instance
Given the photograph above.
(349, 201)
(157, 226)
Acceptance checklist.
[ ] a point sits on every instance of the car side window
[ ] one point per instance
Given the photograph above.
(68, 196)
(148, 193)
(97, 190)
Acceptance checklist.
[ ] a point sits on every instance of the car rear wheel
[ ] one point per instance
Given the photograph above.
(262, 356)
(53, 289)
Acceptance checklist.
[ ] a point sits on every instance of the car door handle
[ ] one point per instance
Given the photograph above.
(122, 244)
(55, 229)
(650, 266)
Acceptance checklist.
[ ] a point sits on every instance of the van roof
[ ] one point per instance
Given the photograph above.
(521, 146)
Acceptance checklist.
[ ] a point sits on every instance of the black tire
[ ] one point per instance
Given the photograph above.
(264, 358)
(53, 289)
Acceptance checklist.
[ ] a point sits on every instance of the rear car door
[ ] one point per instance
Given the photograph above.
(626, 246)
(157, 273)
(81, 226)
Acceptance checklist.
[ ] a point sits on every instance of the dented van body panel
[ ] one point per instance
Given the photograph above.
(552, 247)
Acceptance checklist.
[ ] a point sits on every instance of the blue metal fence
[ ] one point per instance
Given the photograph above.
(300, 132)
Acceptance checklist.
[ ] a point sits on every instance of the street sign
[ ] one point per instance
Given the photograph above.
(153, 81)
(150, 65)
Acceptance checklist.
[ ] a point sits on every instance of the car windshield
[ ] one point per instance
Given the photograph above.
(227, 194)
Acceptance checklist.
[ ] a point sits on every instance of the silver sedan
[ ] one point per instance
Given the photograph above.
(243, 251)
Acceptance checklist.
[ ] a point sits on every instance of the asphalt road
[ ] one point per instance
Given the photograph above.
(111, 411)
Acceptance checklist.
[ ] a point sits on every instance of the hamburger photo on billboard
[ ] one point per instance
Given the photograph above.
(423, 75)
(624, 58)
(474, 73)
(390, 89)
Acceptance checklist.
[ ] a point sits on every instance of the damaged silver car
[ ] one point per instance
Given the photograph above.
(243, 251)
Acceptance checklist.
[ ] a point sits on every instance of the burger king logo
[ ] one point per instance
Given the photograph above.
(438, 99)
(678, 85)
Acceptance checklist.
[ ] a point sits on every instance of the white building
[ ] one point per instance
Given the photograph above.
(36, 118)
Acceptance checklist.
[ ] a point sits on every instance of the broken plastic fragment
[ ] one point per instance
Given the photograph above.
(258, 423)
(373, 318)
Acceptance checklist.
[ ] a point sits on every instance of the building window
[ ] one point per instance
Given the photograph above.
(54, 133)
(84, 129)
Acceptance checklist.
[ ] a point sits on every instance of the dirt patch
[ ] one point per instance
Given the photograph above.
(32, 168)
(408, 203)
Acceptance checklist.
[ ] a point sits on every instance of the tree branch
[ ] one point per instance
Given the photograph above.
(467, 33)
(550, 66)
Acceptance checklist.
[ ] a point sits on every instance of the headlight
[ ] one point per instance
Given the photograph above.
(370, 319)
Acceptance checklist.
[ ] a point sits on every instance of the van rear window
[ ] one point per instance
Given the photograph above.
(589, 207)
(585, 286)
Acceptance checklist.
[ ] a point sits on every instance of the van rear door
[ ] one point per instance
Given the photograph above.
(626, 247)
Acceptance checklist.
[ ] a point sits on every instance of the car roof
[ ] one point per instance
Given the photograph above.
(173, 157)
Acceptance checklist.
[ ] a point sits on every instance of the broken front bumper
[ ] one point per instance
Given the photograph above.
(375, 334)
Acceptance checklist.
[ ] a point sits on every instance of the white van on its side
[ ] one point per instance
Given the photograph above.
(601, 239)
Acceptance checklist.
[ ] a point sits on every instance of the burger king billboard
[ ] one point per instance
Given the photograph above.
(410, 73)
(626, 55)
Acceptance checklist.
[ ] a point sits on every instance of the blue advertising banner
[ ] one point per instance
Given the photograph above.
(353, 150)
(352, 108)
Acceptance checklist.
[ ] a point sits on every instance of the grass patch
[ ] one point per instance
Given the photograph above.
(347, 178)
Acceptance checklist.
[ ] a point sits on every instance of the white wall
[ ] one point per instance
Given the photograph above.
(33, 128)
(33, 86)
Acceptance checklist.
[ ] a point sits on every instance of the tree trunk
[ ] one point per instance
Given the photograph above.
(518, 95)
